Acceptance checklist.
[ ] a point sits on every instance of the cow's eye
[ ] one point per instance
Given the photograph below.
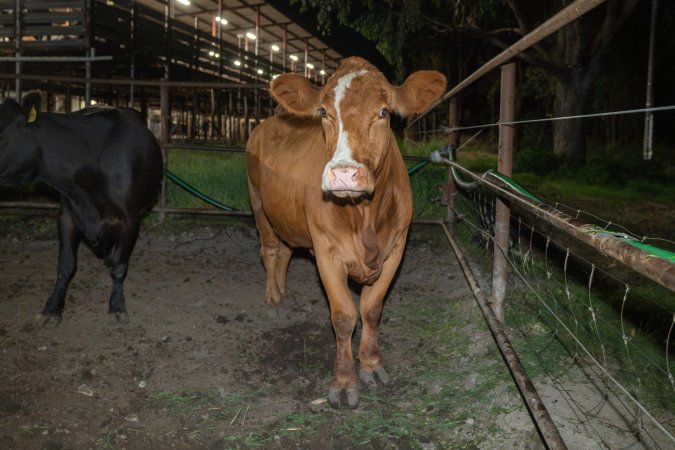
(322, 112)
(384, 112)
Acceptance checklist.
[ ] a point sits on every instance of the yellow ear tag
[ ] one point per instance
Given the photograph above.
(32, 115)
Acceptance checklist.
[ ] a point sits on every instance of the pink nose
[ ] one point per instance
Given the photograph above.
(343, 178)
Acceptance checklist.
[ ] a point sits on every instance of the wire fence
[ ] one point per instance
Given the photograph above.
(596, 338)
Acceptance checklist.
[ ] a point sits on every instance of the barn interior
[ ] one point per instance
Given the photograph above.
(217, 56)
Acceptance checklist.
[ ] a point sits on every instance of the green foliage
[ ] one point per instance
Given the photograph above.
(537, 161)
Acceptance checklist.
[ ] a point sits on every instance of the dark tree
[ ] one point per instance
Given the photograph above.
(572, 57)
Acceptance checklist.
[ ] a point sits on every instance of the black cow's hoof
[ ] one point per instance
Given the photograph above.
(42, 319)
(374, 379)
(343, 398)
(118, 318)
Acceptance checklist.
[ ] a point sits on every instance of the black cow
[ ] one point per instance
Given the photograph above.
(106, 165)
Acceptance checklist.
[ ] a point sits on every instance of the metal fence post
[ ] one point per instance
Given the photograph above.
(507, 108)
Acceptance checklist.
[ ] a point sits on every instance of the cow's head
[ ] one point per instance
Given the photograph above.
(15, 156)
(354, 106)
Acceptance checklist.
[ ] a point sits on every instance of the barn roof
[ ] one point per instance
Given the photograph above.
(237, 40)
(234, 20)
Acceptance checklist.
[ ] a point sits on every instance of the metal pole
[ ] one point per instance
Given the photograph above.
(647, 150)
(542, 419)
(306, 56)
(17, 46)
(507, 106)
(284, 48)
(132, 70)
(87, 85)
(453, 141)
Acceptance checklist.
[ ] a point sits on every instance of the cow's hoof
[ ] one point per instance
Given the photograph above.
(375, 378)
(118, 318)
(274, 300)
(42, 319)
(343, 398)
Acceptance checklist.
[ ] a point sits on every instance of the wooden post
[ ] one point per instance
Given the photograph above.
(507, 108)
(450, 189)
(164, 117)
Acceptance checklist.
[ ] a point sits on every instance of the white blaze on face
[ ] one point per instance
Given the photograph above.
(343, 153)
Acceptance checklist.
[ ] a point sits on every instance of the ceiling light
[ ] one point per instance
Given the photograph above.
(274, 76)
(310, 65)
(221, 20)
(260, 71)
(251, 36)
(294, 58)
(275, 48)
(322, 72)
(237, 62)
(217, 55)
(211, 53)
(184, 2)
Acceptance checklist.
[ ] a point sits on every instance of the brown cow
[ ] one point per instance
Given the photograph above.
(328, 176)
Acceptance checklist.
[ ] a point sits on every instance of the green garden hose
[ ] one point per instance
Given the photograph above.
(200, 195)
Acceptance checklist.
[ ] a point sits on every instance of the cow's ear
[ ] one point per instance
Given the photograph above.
(419, 91)
(31, 105)
(296, 94)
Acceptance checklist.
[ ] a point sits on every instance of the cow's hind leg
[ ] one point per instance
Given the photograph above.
(371, 372)
(69, 241)
(117, 262)
(274, 253)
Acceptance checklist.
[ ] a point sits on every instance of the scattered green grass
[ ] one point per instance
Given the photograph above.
(630, 347)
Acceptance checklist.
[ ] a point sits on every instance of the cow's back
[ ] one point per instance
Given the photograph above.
(285, 157)
(107, 152)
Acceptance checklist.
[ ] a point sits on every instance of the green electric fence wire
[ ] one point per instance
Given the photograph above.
(200, 195)
(650, 249)
(653, 252)
(518, 188)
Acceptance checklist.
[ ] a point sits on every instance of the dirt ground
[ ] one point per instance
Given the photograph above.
(204, 363)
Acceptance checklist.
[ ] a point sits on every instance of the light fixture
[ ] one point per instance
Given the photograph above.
(217, 55)
(275, 75)
(293, 57)
(251, 36)
(260, 71)
(322, 72)
(184, 2)
(92, 102)
(211, 53)
(221, 20)
(237, 62)
(310, 65)
(275, 48)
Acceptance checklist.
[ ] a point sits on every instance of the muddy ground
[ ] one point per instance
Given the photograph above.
(204, 363)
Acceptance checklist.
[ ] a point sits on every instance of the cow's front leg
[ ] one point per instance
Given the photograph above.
(69, 241)
(343, 390)
(118, 263)
(371, 372)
